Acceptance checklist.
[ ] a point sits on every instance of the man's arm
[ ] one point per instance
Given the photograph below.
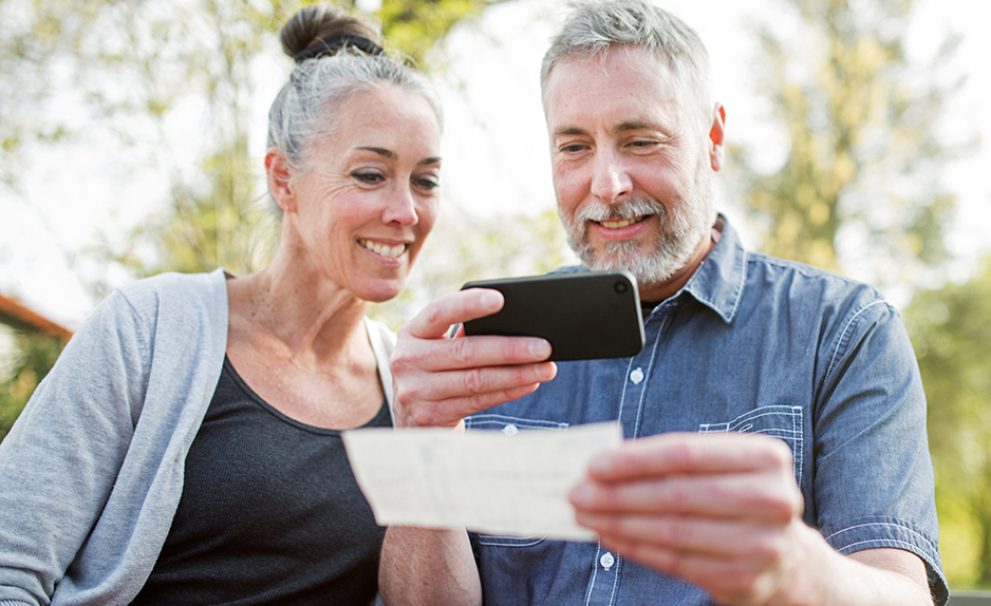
(437, 382)
(724, 512)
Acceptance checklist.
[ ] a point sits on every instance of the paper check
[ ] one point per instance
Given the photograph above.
(482, 480)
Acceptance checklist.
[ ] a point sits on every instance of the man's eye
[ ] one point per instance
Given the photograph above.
(571, 148)
(368, 177)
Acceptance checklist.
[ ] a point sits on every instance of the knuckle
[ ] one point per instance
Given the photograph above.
(779, 454)
(769, 551)
(474, 381)
(422, 416)
(684, 454)
(460, 350)
(678, 497)
(673, 531)
(430, 315)
(400, 362)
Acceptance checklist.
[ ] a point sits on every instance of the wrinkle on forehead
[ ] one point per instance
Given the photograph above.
(678, 105)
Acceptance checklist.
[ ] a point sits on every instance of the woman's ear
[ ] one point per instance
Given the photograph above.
(279, 175)
(716, 134)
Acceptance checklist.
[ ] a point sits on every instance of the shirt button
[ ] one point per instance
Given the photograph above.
(510, 430)
(636, 376)
(607, 560)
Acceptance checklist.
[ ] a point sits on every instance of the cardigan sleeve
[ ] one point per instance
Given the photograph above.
(59, 462)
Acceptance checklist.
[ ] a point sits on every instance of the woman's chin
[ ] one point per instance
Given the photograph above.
(382, 292)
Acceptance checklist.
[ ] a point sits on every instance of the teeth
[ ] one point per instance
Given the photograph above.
(383, 249)
(617, 223)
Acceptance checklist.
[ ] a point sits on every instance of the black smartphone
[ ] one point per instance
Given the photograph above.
(585, 315)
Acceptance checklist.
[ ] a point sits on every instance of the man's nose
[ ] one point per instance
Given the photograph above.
(610, 179)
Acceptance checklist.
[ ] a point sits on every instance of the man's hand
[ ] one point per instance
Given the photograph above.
(440, 380)
(720, 511)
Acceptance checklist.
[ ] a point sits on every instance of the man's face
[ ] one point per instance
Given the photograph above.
(631, 163)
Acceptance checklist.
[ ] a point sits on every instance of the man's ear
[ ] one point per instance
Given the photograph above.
(279, 175)
(716, 134)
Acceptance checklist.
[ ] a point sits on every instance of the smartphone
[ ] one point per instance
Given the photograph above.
(586, 315)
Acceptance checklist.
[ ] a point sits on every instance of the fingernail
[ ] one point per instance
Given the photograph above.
(539, 349)
(582, 495)
(490, 298)
(600, 465)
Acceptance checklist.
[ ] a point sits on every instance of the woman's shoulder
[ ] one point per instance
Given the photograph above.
(183, 298)
(172, 288)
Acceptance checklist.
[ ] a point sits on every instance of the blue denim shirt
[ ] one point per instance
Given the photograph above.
(757, 345)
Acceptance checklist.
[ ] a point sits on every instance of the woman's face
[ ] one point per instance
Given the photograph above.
(367, 197)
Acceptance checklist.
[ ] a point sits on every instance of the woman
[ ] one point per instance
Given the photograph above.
(185, 449)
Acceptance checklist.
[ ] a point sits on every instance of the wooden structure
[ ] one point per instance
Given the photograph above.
(20, 316)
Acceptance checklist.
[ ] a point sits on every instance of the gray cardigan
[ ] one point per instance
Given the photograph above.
(92, 471)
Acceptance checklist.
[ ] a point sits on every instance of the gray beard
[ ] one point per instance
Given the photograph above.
(680, 234)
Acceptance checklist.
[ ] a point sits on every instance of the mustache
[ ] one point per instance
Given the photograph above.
(600, 211)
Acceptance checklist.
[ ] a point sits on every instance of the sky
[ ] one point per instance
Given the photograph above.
(494, 145)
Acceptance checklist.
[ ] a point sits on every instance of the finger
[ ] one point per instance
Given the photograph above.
(727, 580)
(675, 453)
(448, 413)
(454, 384)
(757, 496)
(759, 543)
(474, 352)
(434, 320)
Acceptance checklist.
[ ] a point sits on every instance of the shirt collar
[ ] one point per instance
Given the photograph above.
(718, 282)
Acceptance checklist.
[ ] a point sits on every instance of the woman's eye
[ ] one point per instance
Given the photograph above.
(427, 183)
(368, 177)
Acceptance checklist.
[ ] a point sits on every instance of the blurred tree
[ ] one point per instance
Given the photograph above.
(861, 176)
(36, 354)
(129, 72)
(951, 329)
(124, 74)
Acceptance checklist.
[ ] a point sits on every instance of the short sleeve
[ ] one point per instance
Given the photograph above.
(874, 483)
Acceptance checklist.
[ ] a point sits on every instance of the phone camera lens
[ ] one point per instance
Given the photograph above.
(620, 287)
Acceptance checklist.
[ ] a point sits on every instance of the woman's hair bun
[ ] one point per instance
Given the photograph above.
(313, 25)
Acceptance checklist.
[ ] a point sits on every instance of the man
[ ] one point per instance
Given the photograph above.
(775, 421)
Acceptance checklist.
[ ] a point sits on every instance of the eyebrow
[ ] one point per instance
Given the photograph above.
(622, 127)
(638, 125)
(388, 153)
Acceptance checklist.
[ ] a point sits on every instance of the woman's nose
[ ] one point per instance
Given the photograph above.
(401, 207)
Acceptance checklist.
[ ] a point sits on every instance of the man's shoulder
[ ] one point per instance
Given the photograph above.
(761, 266)
(798, 286)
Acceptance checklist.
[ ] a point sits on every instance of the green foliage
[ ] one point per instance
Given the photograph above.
(414, 26)
(36, 354)
(862, 173)
(127, 70)
(951, 329)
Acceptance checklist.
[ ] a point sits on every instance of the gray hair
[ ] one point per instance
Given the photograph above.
(337, 56)
(594, 26)
(305, 108)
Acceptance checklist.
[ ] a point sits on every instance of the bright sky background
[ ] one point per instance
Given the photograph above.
(495, 143)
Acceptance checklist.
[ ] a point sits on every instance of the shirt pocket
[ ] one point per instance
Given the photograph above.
(782, 422)
(508, 425)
